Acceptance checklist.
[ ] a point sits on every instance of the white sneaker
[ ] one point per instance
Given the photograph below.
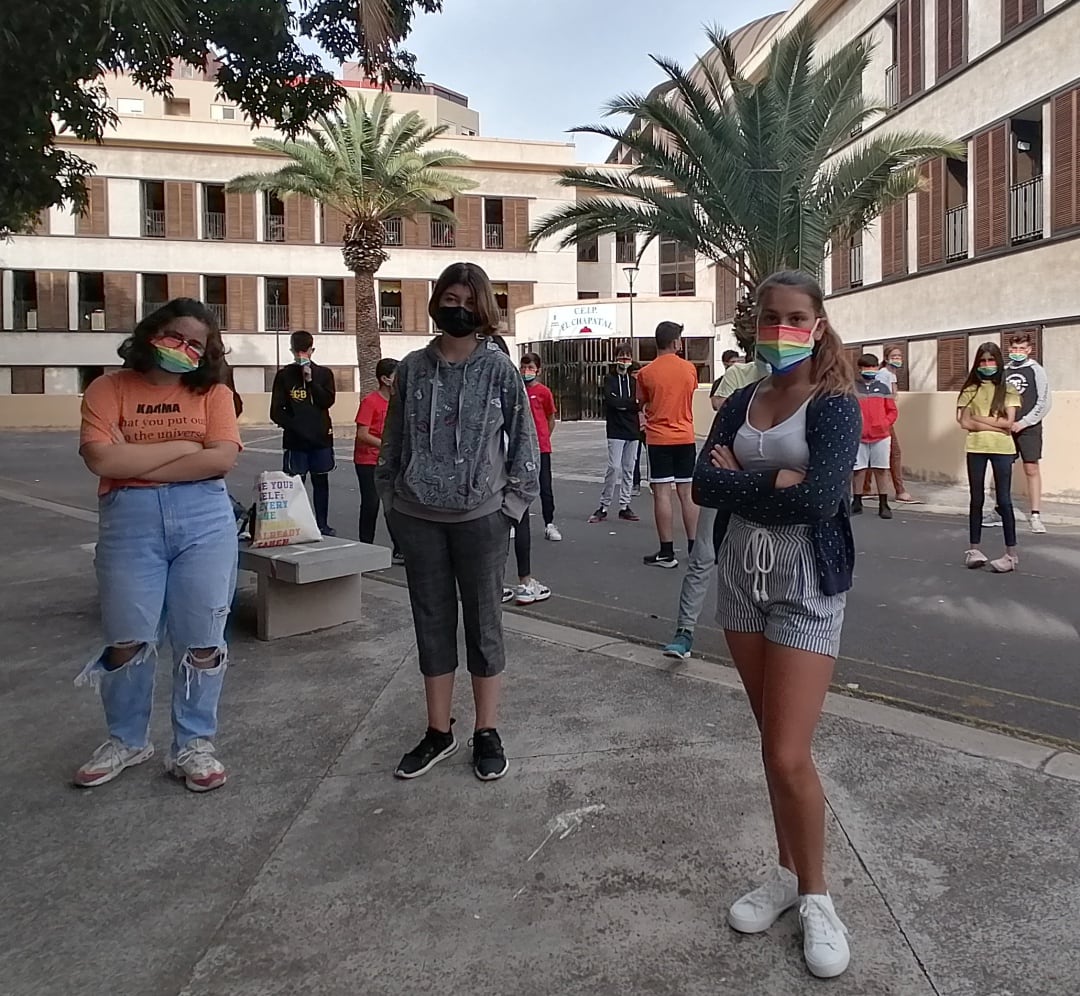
(531, 591)
(991, 519)
(760, 909)
(1036, 523)
(109, 760)
(825, 945)
(551, 532)
(508, 594)
(196, 766)
(975, 558)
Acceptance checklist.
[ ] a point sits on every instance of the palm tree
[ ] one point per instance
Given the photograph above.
(756, 176)
(370, 168)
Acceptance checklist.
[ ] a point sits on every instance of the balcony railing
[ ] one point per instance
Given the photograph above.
(275, 228)
(91, 316)
(333, 318)
(220, 313)
(153, 226)
(390, 319)
(24, 316)
(504, 318)
(442, 235)
(214, 225)
(277, 318)
(149, 307)
(892, 86)
(625, 252)
(956, 239)
(393, 231)
(855, 263)
(493, 236)
(1026, 211)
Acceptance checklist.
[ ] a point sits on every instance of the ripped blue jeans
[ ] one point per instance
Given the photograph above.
(166, 563)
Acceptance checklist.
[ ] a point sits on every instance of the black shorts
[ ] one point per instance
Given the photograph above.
(1029, 443)
(301, 462)
(672, 464)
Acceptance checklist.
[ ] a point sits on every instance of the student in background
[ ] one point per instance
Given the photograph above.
(893, 362)
(986, 409)
(666, 389)
(1030, 382)
(300, 402)
(542, 405)
(621, 421)
(878, 415)
(729, 358)
(370, 418)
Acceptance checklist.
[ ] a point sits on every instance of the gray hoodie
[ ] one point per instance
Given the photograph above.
(459, 441)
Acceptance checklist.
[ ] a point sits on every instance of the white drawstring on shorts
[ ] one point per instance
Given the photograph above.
(759, 557)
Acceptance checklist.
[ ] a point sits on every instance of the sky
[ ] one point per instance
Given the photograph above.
(535, 68)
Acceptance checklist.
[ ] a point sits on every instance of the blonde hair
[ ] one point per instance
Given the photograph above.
(830, 371)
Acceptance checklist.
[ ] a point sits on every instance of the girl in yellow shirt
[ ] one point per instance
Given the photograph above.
(986, 408)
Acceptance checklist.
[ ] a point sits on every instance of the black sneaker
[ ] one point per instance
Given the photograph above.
(600, 515)
(629, 515)
(883, 507)
(488, 757)
(328, 530)
(435, 747)
(659, 560)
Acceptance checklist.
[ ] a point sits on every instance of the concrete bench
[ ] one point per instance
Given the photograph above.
(309, 586)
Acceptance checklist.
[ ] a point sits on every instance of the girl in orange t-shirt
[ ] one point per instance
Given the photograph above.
(161, 435)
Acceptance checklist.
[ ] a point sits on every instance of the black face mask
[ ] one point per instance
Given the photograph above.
(458, 322)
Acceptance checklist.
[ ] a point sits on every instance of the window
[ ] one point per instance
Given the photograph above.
(390, 306)
(274, 217)
(956, 210)
(155, 292)
(393, 232)
(25, 300)
(129, 105)
(502, 299)
(344, 378)
(277, 304)
(625, 247)
(951, 36)
(677, 265)
(1026, 187)
(442, 232)
(587, 295)
(493, 223)
(87, 375)
(904, 78)
(216, 296)
(699, 351)
(588, 250)
(952, 362)
(184, 71)
(27, 380)
(153, 205)
(214, 211)
(91, 302)
(224, 112)
(333, 305)
(1014, 13)
(179, 107)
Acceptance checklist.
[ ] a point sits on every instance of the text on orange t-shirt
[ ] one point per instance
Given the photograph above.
(150, 413)
(666, 387)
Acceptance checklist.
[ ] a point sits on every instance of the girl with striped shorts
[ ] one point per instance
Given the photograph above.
(778, 463)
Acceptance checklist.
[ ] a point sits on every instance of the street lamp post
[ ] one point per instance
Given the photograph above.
(631, 275)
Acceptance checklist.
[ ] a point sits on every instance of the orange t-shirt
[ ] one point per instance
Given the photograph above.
(148, 413)
(667, 386)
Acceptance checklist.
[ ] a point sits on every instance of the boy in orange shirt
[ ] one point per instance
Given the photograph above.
(665, 390)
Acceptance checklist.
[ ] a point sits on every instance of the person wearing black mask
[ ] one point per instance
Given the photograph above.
(459, 465)
(621, 415)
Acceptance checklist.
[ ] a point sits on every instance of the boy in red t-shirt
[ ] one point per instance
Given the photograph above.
(370, 418)
(879, 412)
(542, 404)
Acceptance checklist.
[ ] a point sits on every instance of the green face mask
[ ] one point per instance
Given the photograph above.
(986, 372)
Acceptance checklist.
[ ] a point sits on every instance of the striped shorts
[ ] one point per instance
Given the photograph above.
(768, 583)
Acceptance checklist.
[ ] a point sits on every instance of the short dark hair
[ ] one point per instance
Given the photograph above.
(473, 277)
(729, 354)
(624, 349)
(137, 351)
(385, 367)
(1025, 338)
(667, 333)
(868, 360)
(301, 342)
(533, 359)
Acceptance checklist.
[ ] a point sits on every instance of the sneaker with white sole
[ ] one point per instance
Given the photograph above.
(825, 945)
(551, 532)
(991, 519)
(681, 645)
(759, 909)
(196, 766)
(109, 760)
(435, 747)
(1005, 564)
(1036, 523)
(508, 594)
(974, 559)
(531, 591)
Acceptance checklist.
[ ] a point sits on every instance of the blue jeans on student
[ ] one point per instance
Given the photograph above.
(166, 562)
(1001, 465)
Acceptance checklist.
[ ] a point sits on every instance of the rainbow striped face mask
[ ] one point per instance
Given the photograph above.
(784, 347)
(174, 360)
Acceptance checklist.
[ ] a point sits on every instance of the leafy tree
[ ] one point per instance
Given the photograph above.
(54, 59)
(764, 172)
(371, 168)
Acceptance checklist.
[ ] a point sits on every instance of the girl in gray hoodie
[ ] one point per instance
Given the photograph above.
(459, 465)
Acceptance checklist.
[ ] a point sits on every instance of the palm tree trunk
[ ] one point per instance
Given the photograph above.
(368, 339)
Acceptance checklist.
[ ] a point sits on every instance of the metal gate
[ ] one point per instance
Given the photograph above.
(574, 371)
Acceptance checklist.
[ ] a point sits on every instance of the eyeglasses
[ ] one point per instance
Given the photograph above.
(173, 340)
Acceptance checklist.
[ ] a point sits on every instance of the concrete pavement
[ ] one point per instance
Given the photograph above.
(634, 811)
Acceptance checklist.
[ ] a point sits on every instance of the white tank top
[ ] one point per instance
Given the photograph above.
(783, 447)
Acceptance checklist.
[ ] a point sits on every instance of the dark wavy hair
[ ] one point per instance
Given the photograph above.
(992, 351)
(137, 351)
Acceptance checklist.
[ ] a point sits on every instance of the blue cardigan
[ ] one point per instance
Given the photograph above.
(833, 428)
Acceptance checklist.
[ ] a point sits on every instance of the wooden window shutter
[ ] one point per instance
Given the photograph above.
(333, 226)
(95, 219)
(841, 264)
(350, 304)
(894, 240)
(952, 362)
(470, 227)
(990, 170)
(179, 210)
(241, 303)
(416, 231)
(931, 214)
(518, 295)
(119, 302)
(414, 303)
(903, 375)
(27, 380)
(183, 285)
(909, 28)
(52, 299)
(1017, 12)
(726, 293)
(299, 220)
(951, 35)
(239, 217)
(1065, 162)
(303, 295)
(516, 224)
